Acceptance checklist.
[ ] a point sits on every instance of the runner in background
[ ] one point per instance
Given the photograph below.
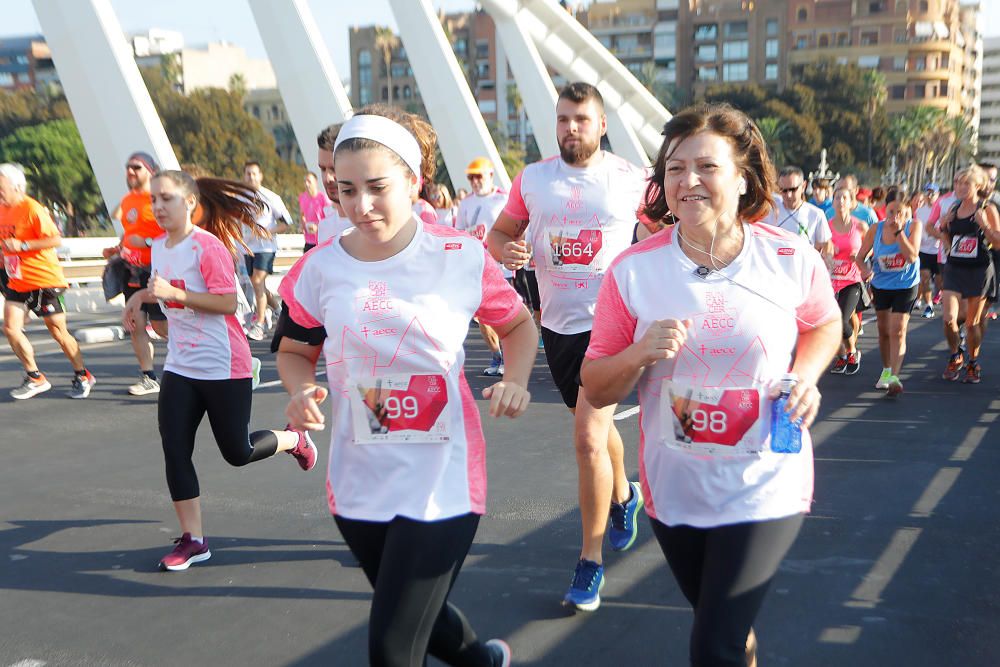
(895, 274)
(930, 268)
(440, 199)
(407, 473)
(574, 213)
(274, 220)
(967, 229)
(208, 365)
(848, 284)
(793, 213)
(476, 215)
(312, 201)
(334, 222)
(139, 231)
(34, 282)
(707, 318)
(822, 196)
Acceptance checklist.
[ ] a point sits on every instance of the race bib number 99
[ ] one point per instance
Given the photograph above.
(575, 254)
(400, 408)
(712, 421)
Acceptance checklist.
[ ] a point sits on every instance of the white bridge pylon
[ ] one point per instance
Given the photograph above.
(115, 114)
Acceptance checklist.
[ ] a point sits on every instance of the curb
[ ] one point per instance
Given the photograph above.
(99, 334)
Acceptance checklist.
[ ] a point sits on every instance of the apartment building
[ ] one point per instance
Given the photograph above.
(989, 121)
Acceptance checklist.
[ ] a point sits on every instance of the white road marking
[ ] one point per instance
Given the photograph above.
(625, 414)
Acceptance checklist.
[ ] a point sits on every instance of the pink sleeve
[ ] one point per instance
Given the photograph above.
(500, 303)
(935, 212)
(515, 207)
(426, 212)
(820, 305)
(614, 324)
(217, 268)
(298, 300)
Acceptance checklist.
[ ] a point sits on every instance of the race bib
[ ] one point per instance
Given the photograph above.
(479, 231)
(892, 263)
(179, 284)
(12, 265)
(400, 408)
(842, 267)
(712, 421)
(965, 246)
(577, 254)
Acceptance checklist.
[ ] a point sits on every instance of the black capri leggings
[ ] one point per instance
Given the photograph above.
(412, 566)
(848, 298)
(724, 572)
(183, 403)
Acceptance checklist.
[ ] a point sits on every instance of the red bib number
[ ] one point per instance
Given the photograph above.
(12, 265)
(713, 421)
(842, 267)
(574, 254)
(400, 408)
(966, 247)
(892, 263)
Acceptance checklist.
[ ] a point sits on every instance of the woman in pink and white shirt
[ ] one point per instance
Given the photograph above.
(407, 474)
(705, 317)
(848, 232)
(208, 364)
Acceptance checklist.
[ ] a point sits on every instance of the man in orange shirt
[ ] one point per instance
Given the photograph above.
(140, 228)
(35, 282)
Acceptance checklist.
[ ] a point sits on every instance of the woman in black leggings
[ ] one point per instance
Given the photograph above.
(407, 474)
(208, 364)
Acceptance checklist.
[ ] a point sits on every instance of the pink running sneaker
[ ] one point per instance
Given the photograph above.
(185, 553)
(305, 451)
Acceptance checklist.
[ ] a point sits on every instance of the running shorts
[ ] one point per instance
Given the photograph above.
(898, 300)
(564, 354)
(42, 302)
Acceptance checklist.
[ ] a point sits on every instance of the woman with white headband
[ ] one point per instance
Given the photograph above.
(407, 472)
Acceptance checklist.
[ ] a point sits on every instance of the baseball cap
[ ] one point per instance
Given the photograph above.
(480, 166)
(933, 187)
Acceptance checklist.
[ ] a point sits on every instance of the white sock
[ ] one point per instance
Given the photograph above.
(199, 540)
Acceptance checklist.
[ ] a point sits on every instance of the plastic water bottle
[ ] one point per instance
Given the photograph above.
(786, 435)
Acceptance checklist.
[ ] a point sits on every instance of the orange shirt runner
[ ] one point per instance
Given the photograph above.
(30, 270)
(138, 220)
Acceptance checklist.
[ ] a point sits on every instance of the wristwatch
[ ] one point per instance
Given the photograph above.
(24, 246)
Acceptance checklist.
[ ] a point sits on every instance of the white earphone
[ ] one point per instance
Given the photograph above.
(742, 188)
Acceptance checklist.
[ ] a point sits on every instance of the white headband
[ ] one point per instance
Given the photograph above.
(387, 132)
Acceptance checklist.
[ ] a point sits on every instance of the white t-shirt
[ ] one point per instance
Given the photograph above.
(406, 439)
(718, 469)
(579, 221)
(928, 244)
(331, 225)
(938, 213)
(807, 221)
(477, 215)
(201, 346)
(274, 213)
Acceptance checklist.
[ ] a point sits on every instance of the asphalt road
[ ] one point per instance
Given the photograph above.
(896, 564)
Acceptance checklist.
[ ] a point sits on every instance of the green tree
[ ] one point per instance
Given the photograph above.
(774, 130)
(386, 42)
(57, 168)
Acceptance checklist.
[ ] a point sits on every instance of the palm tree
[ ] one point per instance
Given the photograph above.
(874, 87)
(960, 147)
(386, 41)
(773, 131)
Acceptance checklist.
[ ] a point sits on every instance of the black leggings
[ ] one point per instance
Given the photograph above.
(412, 566)
(724, 572)
(183, 403)
(848, 298)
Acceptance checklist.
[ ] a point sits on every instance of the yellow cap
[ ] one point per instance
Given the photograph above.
(480, 166)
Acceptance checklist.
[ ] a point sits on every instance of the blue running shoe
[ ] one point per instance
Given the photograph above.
(585, 591)
(623, 526)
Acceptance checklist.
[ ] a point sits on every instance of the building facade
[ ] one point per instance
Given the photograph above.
(989, 121)
(927, 50)
(26, 64)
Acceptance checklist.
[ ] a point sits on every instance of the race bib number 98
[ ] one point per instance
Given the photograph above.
(400, 408)
(575, 254)
(712, 421)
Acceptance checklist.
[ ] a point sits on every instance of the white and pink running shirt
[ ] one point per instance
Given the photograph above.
(201, 346)
(406, 438)
(580, 219)
(704, 452)
(477, 214)
(274, 213)
(331, 225)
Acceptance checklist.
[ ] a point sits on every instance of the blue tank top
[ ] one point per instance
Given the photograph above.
(892, 271)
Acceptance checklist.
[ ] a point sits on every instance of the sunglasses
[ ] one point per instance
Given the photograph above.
(790, 190)
(134, 167)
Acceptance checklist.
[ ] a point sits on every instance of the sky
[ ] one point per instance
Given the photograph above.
(202, 21)
(231, 20)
